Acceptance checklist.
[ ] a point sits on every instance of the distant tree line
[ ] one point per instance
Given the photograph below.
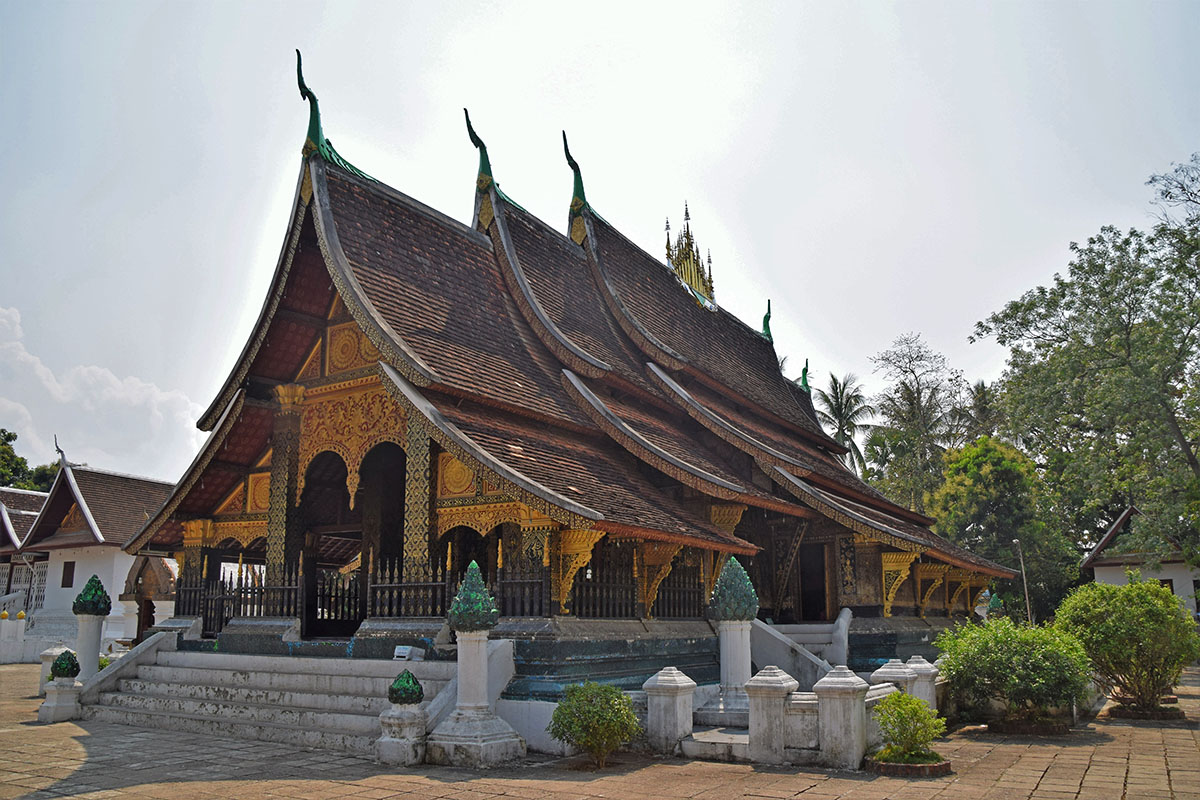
(15, 471)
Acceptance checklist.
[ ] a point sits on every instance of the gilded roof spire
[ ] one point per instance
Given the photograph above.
(578, 198)
(485, 165)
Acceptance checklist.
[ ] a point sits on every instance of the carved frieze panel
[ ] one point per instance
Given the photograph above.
(259, 499)
(235, 503)
(347, 348)
(455, 479)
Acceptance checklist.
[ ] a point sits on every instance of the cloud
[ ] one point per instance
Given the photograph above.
(111, 422)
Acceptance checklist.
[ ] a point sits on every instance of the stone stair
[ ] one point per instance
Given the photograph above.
(331, 703)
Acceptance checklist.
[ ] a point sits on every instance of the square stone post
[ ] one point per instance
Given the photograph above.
(842, 718)
(62, 701)
(87, 644)
(668, 708)
(402, 739)
(895, 672)
(768, 692)
(925, 685)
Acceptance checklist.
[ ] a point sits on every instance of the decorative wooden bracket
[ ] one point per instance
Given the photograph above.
(726, 516)
(574, 552)
(962, 579)
(712, 563)
(895, 570)
(930, 572)
(198, 533)
(656, 558)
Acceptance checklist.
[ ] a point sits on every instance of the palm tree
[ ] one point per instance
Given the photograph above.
(981, 414)
(844, 410)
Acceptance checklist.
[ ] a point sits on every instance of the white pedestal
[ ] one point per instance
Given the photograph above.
(87, 645)
(768, 692)
(925, 686)
(897, 673)
(47, 657)
(731, 708)
(130, 621)
(473, 736)
(842, 713)
(62, 701)
(402, 742)
(668, 708)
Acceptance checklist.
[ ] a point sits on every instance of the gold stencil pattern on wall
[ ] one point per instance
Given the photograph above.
(260, 492)
(348, 349)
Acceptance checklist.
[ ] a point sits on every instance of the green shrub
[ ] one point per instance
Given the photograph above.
(104, 661)
(1138, 636)
(595, 718)
(1026, 667)
(65, 666)
(908, 726)
(406, 690)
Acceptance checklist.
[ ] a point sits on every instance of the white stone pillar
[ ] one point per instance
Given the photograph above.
(47, 657)
(842, 715)
(87, 644)
(62, 701)
(734, 637)
(402, 741)
(768, 693)
(924, 687)
(130, 619)
(472, 671)
(895, 672)
(668, 708)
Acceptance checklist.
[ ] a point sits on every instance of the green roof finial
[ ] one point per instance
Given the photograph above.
(766, 331)
(804, 378)
(93, 599)
(485, 166)
(578, 199)
(315, 137)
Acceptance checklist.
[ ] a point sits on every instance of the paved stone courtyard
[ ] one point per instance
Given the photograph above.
(1109, 759)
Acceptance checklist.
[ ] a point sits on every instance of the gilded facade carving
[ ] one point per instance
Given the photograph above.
(726, 516)
(935, 574)
(455, 479)
(347, 348)
(656, 559)
(241, 531)
(348, 419)
(418, 502)
(260, 493)
(896, 567)
(957, 582)
(74, 520)
(574, 552)
(848, 564)
(235, 503)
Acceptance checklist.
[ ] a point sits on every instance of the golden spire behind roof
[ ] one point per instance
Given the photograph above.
(684, 257)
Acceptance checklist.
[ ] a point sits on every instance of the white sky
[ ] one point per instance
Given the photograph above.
(872, 168)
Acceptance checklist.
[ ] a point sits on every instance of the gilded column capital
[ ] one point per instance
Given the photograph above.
(726, 516)
(290, 397)
(197, 532)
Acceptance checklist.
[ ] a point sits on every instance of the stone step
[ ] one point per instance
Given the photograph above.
(307, 682)
(717, 744)
(316, 701)
(348, 667)
(225, 728)
(224, 711)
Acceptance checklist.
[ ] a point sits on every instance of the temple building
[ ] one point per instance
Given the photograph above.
(574, 415)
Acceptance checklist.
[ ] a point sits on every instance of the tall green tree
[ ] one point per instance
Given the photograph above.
(15, 471)
(917, 420)
(988, 498)
(845, 412)
(980, 413)
(1103, 377)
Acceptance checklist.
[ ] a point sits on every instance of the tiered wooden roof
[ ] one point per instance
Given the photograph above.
(577, 370)
(18, 509)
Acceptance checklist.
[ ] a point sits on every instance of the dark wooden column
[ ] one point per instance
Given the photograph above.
(283, 514)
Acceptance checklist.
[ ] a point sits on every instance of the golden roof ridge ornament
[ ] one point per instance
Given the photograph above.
(684, 258)
(485, 165)
(315, 140)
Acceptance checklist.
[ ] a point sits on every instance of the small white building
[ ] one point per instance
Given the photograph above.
(1109, 564)
(85, 519)
(22, 577)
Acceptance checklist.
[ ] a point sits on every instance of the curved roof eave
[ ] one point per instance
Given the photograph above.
(215, 439)
(452, 438)
(208, 420)
(531, 308)
(842, 514)
(378, 331)
(6, 523)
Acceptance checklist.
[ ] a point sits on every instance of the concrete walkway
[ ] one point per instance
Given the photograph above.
(1107, 760)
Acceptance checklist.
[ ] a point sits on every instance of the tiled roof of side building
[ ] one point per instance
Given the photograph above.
(120, 504)
(589, 469)
(714, 342)
(562, 281)
(438, 285)
(22, 499)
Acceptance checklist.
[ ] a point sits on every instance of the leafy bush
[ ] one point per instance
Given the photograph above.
(1138, 636)
(595, 718)
(908, 726)
(406, 690)
(1028, 668)
(104, 661)
(65, 666)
